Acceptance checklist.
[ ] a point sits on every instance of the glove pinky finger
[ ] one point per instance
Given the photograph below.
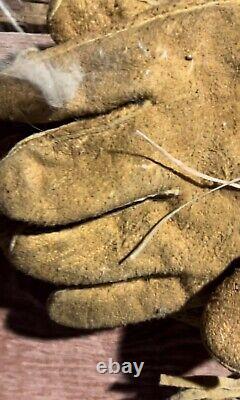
(116, 304)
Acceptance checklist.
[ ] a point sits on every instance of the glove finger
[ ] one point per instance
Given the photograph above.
(116, 304)
(72, 19)
(81, 170)
(146, 61)
(197, 245)
(87, 253)
(75, 78)
(221, 323)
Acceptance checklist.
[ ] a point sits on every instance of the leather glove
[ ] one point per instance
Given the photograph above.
(86, 201)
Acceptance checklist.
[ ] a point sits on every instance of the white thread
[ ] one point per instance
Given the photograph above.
(135, 253)
(183, 166)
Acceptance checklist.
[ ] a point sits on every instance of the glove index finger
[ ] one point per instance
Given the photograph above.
(76, 79)
(80, 171)
(146, 61)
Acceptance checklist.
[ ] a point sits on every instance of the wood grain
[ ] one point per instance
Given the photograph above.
(12, 43)
(31, 16)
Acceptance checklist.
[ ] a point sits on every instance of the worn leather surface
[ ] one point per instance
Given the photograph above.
(179, 86)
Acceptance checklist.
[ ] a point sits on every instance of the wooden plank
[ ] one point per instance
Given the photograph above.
(11, 43)
(31, 16)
